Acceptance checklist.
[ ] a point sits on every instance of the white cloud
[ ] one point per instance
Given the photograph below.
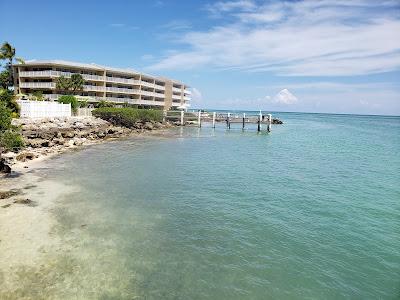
(197, 97)
(177, 25)
(302, 38)
(147, 57)
(221, 7)
(285, 97)
(123, 26)
(117, 25)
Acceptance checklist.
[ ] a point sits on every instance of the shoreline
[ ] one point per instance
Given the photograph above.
(47, 137)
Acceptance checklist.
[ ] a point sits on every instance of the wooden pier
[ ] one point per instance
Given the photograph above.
(228, 118)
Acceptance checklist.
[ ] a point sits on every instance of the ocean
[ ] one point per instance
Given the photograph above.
(308, 211)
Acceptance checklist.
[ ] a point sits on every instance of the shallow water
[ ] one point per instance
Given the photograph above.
(311, 210)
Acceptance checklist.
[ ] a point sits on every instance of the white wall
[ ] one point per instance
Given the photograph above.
(43, 109)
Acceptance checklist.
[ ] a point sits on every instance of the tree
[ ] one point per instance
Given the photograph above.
(73, 84)
(77, 82)
(38, 95)
(7, 52)
(5, 79)
(69, 99)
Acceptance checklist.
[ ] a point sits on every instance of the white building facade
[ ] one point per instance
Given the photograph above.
(102, 83)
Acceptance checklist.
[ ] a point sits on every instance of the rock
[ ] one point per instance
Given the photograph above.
(59, 141)
(24, 156)
(276, 121)
(25, 201)
(4, 168)
(8, 194)
(36, 143)
(148, 126)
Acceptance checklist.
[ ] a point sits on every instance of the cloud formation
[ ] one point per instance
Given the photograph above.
(285, 97)
(197, 97)
(301, 38)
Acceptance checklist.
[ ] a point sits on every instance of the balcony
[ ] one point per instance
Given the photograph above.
(159, 87)
(39, 85)
(122, 90)
(174, 89)
(146, 93)
(159, 95)
(177, 97)
(176, 104)
(122, 80)
(50, 74)
(93, 88)
(187, 92)
(147, 84)
(186, 98)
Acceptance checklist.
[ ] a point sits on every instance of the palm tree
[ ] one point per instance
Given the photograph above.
(7, 52)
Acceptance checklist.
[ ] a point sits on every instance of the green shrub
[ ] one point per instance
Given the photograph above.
(38, 95)
(127, 116)
(82, 103)
(104, 103)
(7, 98)
(11, 140)
(69, 99)
(5, 117)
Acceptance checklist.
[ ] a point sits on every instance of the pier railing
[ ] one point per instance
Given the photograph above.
(183, 118)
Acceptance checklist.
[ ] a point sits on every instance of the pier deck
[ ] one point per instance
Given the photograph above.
(199, 117)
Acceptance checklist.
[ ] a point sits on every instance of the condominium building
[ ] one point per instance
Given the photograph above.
(101, 83)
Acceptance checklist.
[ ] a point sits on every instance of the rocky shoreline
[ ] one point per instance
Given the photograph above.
(47, 136)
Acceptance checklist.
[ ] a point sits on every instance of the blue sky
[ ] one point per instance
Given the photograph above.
(316, 56)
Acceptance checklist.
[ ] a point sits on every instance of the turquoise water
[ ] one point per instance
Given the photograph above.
(310, 211)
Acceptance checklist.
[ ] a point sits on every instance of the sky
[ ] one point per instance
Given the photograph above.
(333, 56)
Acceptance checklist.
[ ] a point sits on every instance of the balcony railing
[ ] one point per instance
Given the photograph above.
(58, 74)
(121, 80)
(178, 97)
(159, 95)
(93, 88)
(187, 92)
(187, 98)
(146, 93)
(49, 85)
(148, 84)
(174, 89)
(122, 90)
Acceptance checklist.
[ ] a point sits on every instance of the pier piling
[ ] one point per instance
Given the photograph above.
(199, 118)
(182, 115)
(213, 119)
(269, 122)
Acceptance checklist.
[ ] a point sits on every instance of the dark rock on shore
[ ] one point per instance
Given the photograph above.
(9, 194)
(276, 121)
(26, 202)
(4, 168)
(24, 156)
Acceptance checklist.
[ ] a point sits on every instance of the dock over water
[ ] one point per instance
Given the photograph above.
(182, 118)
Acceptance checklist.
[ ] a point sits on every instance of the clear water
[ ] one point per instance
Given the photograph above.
(310, 211)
